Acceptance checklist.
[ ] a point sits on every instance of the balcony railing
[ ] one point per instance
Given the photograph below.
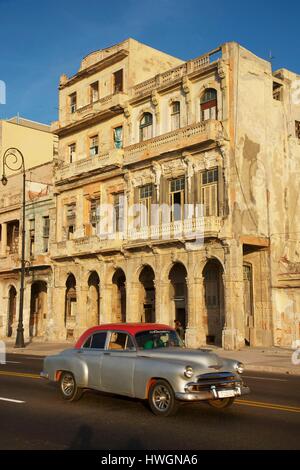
(175, 140)
(194, 228)
(173, 75)
(9, 261)
(187, 230)
(110, 160)
(108, 104)
(10, 200)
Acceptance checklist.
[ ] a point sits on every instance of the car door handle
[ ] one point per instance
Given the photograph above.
(107, 354)
(79, 351)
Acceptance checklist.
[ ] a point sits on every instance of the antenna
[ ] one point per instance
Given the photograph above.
(271, 57)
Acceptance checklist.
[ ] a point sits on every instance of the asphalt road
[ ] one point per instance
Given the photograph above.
(269, 418)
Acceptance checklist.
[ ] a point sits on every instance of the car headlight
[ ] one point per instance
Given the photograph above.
(188, 372)
(239, 367)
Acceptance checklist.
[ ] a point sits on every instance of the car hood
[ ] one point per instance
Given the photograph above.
(203, 358)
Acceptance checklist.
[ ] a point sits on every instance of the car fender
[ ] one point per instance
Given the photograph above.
(66, 361)
(149, 369)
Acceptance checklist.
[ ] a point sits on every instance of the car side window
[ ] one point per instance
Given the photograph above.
(120, 341)
(87, 343)
(98, 340)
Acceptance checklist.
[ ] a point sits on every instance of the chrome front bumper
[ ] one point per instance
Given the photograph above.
(211, 393)
(44, 375)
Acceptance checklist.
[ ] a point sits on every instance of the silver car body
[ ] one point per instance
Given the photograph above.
(131, 372)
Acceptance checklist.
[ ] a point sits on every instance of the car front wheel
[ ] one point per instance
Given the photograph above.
(162, 399)
(222, 402)
(68, 387)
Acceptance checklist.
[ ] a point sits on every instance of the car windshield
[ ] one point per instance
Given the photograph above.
(154, 339)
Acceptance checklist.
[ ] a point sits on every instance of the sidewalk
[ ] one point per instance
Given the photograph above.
(273, 360)
(38, 348)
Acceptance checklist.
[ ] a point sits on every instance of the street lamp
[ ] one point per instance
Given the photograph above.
(13, 160)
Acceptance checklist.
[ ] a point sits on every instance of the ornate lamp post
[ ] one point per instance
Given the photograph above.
(13, 160)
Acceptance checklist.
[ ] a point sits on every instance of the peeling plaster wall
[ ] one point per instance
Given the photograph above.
(266, 178)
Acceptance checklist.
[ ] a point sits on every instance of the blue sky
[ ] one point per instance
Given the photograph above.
(40, 40)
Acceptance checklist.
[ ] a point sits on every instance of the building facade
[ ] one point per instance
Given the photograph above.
(175, 196)
(38, 146)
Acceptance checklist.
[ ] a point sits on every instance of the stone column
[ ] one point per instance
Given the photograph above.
(3, 249)
(82, 313)
(196, 330)
(26, 310)
(133, 313)
(56, 322)
(163, 302)
(106, 315)
(233, 335)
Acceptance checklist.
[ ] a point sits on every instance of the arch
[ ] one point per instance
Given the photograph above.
(93, 299)
(70, 304)
(119, 296)
(12, 310)
(209, 104)
(140, 268)
(147, 294)
(166, 270)
(71, 280)
(214, 301)
(199, 267)
(179, 292)
(38, 308)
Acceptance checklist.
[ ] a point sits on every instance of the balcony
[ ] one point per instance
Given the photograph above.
(176, 74)
(104, 108)
(182, 230)
(10, 200)
(90, 165)
(199, 133)
(9, 262)
(84, 246)
(189, 230)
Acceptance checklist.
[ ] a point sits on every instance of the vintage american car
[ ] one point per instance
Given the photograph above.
(148, 362)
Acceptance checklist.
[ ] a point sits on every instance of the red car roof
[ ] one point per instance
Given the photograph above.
(131, 328)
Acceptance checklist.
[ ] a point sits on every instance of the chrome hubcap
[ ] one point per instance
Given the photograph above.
(161, 398)
(68, 385)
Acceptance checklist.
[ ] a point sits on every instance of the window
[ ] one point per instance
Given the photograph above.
(120, 341)
(209, 105)
(118, 81)
(146, 127)
(94, 92)
(209, 192)
(96, 341)
(71, 220)
(94, 147)
(72, 153)
(119, 212)
(95, 214)
(73, 102)
(31, 236)
(175, 116)
(118, 137)
(297, 129)
(145, 199)
(177, 198)
(13, 236)
(277, 91)
(46, 232)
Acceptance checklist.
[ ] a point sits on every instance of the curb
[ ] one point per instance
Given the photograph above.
(28, 352)
(272, 369)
